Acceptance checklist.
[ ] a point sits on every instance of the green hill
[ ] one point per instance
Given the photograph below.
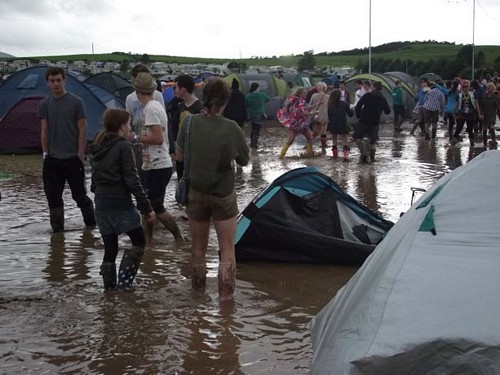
(415, 51)
(446, 59)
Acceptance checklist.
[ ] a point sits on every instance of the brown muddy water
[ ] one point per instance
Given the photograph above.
(55, 317)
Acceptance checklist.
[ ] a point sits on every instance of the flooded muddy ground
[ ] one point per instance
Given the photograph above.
(55, 317)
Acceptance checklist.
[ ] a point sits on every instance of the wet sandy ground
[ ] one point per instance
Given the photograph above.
(55, 317)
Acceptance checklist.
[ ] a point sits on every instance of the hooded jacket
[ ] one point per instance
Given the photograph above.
(114, 172)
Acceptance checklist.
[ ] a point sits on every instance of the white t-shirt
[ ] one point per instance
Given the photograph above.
(155, 156)
(136, 110)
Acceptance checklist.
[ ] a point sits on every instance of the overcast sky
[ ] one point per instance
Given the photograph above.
(234, 29)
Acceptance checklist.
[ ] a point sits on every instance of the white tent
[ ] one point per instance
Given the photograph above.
(427, 300)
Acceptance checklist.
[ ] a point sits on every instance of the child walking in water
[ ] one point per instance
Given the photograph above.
(114, 179)
(338, 110)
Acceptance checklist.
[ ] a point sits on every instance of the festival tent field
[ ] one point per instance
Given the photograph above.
(31, 82)
(426, 301)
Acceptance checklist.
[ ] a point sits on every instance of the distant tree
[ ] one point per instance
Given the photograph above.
(145, 59)
(238, 67)
(480, 60)
(496, 64)
(306, 62)
(465, 54)
(124, 66)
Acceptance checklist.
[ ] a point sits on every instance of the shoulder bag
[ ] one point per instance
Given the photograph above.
(181, 193)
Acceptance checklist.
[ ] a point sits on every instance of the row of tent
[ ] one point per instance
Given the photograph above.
(22, 92)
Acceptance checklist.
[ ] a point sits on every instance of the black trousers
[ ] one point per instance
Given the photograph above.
(55, 174)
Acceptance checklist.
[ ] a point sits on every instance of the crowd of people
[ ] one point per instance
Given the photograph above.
(455, 103)
(134, 156)
(459, 102)
(133, 159)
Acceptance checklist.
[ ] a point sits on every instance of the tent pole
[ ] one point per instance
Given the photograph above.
(370, 41)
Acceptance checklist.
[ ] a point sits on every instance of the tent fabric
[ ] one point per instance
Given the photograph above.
(305, 217)
(113, 83)
(273, 86)
(20, 127)
(31, 81)
(424, 302)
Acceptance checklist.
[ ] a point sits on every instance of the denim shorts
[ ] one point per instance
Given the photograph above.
(203, 207)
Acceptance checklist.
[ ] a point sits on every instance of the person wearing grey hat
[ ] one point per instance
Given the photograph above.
(135, 108)
(156, 161)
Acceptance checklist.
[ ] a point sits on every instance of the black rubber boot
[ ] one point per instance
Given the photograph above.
(129, 266)
(323, 140)
(108, 273)
(372, 155)
(57, 219)
(88, 215)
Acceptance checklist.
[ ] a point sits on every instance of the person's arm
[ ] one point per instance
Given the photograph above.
(387, 107)
(242, 149)
(82, 138)
(358, 106)
(44, 137)
(498, 106)
(478, 108)
(179, 144)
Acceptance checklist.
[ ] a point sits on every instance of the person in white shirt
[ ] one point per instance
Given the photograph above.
(156, 161)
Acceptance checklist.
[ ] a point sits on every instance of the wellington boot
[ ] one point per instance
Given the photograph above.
(168, 221)
(485, 137)
(361, 146)
(88, 214)
(226, 281)
(148, 231)
(199, 276)
(323, 140)
(309, 150)
(108, 273)
(346, 150)
(493, 136)
(57, 219)
(372, 155)
(129, 266)
(335, 152)
(283, 151)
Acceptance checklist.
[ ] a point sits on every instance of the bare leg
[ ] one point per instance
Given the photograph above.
(226, 230)
(199, 240)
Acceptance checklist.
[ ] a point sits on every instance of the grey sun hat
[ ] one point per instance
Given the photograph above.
(145, 83)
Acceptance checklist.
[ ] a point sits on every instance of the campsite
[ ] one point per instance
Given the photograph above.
(21, 92)
(56, 319)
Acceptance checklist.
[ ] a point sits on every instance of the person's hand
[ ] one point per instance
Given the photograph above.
(81, 155)
(150, 217)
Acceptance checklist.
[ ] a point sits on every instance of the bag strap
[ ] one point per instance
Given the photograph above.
(186, 145)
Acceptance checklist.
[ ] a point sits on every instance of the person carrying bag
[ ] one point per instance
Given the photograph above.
(181, 193)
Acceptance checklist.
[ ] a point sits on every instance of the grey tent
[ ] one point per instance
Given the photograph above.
(426, 301)
(114, 83)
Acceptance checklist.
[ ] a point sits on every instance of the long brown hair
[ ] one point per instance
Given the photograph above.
(215, 95)
(113, 119)
(334, 100)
